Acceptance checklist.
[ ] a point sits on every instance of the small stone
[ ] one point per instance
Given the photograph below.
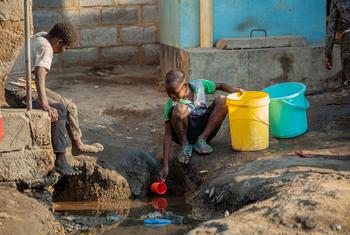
(96, 86)
(203, 172)
(4, 215)
(227, 214)
(112, 218)
(70, 218)
(154, 130)
(129, 138)
(337, 227)
(207, 191)
(212, 192)
(229, 165)
(219, 199)
(101, 74)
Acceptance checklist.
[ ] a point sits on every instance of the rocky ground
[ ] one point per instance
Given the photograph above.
(272, 191)
(22, 215)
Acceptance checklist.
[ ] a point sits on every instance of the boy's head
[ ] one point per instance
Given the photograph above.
(176, 84)
(62, 36)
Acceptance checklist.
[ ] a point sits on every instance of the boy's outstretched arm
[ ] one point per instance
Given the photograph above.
(227, 88)
(166, 150)
(40, 78)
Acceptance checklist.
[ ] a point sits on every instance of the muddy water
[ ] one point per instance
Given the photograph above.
(131, 212)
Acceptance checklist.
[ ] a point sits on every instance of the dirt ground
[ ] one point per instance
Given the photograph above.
(122, 107)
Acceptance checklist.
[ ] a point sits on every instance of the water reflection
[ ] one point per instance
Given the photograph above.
(131, 214)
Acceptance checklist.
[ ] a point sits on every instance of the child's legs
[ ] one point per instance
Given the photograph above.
(195, 127)
(217, 116)
(58, 129)
(179, 122)
(72, 125)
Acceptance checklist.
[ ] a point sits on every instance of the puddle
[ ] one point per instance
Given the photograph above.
(126, 215)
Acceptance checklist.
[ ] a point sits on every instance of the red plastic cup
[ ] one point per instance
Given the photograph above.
(160, 203)
(159, 188)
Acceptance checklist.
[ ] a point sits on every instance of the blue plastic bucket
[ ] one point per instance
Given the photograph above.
(287, 109)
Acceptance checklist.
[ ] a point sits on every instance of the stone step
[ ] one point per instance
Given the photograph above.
(261, 42)
(26, 151)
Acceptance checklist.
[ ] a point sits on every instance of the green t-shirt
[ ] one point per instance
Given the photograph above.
(198, 106)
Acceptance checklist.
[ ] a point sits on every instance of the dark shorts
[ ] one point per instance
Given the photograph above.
(196, 126)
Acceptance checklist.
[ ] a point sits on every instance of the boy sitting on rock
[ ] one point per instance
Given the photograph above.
(62, 111)
(189, 120)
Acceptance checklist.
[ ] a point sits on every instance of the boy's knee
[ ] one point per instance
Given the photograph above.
(180, 111)
(72, 108)
(61, 110)
(221, 100)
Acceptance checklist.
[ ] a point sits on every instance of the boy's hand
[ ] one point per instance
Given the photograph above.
(240, 90)
(53, 114)
(328, 62)
(164, 173)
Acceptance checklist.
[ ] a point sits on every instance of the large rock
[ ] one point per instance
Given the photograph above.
(25, 153)
(21, 215)
(288, 195)
(137, 166)
(93, 184)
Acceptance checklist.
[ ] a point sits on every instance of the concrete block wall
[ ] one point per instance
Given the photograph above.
(111, 31)
(11, 36)
(26, 152)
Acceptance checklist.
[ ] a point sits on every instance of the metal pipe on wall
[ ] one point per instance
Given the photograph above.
(27, 54)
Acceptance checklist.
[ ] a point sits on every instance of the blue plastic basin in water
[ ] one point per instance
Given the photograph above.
(288, 107)
(157, 221)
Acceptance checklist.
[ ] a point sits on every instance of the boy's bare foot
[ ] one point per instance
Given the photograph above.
(185, 153)
(63, 167)
(80, 148)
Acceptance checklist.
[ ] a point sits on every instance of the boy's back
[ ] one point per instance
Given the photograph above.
(41, 55)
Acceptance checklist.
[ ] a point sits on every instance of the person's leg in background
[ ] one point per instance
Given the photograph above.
(345, 58)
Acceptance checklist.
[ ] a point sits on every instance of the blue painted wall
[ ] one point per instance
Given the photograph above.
(179, 22)
(236, 18)
(170, 22)
(189, 23)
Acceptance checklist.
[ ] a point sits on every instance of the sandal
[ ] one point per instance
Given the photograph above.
(202, 147)
(185, 153)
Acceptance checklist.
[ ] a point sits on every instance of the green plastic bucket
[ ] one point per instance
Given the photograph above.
(288, 106)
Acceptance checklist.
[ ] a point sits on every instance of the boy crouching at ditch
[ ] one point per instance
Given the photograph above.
(189, 120)
(62, 111)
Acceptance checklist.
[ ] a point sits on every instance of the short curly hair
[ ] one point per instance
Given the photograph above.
(66, 32)
(173, 76)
